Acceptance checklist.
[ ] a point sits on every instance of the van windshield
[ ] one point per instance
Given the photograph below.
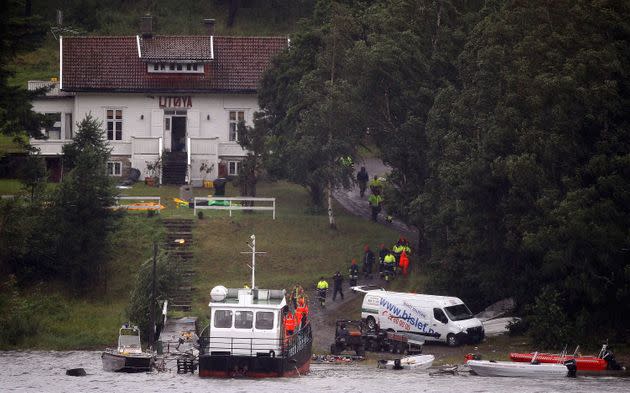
(458, 313)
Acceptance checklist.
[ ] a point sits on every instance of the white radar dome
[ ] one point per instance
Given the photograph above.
(218, 293)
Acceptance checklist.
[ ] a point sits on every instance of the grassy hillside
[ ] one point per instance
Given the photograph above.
(300, 248)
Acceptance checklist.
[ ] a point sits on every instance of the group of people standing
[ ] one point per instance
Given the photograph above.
(297, 315)
(376, 189)
(390, 263)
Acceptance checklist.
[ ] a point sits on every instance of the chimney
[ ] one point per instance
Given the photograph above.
(146, 26)
(209, 23)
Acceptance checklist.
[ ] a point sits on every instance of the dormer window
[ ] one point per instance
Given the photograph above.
(187, 68)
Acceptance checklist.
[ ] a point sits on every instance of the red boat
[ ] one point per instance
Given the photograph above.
(584, 363)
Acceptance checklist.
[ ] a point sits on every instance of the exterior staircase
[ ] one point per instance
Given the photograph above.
(174, 168)
(181, 228)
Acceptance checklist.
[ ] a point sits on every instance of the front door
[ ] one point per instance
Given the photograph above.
(178, 133)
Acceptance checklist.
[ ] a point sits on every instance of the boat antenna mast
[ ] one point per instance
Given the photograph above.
(253, 251)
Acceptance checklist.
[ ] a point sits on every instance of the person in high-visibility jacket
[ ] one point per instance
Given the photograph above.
(301, 312)
(322, 288)
(404, 262)
(389, 263)
(289, 324)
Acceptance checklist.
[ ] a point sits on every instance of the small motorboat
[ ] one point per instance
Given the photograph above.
(603, 361)
(128, 356)
(417, 362)
(491, 368)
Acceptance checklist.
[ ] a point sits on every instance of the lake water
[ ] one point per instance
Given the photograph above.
(37, 371)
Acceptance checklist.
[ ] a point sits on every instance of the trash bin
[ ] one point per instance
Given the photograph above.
(185, 192)
(219, 186)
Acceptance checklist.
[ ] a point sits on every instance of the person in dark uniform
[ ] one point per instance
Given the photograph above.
(337, 285)
(368, 262)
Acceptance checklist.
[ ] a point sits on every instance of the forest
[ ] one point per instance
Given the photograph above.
(505, 123)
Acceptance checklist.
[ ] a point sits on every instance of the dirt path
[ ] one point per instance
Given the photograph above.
(323, 319)
(351, 199)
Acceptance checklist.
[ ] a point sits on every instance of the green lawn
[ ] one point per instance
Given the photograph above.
(10, 186)
(300, 248)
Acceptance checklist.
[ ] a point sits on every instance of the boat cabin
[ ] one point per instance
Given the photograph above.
(246, 322)
(129, 340)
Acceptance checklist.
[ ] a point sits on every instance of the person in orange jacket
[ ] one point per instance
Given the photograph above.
(301, 312)
(289, 324)
(404, 262)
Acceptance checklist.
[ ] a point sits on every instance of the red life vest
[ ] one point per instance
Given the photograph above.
(289, 324)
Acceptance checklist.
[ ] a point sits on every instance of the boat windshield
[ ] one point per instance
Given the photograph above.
(458, 312)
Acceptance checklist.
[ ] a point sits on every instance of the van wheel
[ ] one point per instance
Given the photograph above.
(371, 323)
(452, 340)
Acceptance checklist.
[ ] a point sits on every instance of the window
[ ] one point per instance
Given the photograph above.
(458, 312)
(68, 126)
(243, 319)
(52, 125)
(114, 168)
(235, 118)
(223, 319)
(180, 68)
(264, 320)
(114, 124)
(439, 315)
(233, 167)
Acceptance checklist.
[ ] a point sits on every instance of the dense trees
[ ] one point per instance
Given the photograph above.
(20, 31)
(314, 125)
(64, 232)
(505, 126)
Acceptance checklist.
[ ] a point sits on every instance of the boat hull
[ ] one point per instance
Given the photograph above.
(514, 369)
(126, 363)
(584, 363)
(418, 363)
(293, 361)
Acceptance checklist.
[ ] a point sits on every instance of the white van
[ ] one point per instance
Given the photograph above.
(437, 318)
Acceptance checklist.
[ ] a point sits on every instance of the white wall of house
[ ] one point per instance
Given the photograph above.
(207, 124)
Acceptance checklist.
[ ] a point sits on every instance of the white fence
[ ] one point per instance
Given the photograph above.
(145, 203)
(236, 206)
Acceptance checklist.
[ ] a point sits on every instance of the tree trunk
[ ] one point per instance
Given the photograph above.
(331, 216)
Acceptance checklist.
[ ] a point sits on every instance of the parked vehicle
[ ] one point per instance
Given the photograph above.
(348, 335)
(437, 318)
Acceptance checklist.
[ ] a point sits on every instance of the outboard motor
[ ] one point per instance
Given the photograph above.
(609, 357)
(571, 366)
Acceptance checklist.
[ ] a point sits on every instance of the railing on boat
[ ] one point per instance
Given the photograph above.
(256, 346)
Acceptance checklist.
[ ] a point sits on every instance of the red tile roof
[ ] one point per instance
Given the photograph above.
(112, 63)
(165, 48)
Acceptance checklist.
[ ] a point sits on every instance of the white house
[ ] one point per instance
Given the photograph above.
(178, 98)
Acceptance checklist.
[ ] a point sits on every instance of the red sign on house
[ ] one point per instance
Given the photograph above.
(175, 102)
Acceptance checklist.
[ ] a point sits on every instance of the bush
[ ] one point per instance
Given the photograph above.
(19, 317)
(549, 326)
(167, 280)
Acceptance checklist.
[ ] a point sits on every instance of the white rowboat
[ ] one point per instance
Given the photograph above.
(417, 362)
(488, 368)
